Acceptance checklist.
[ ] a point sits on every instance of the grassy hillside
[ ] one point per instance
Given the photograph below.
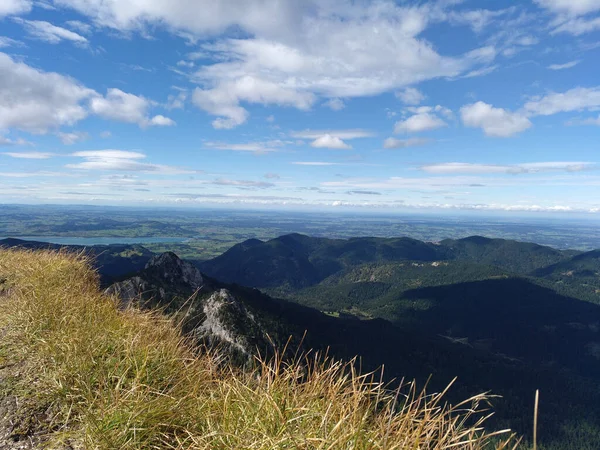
(87, 374)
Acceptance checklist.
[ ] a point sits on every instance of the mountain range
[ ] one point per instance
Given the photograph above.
(502, 316)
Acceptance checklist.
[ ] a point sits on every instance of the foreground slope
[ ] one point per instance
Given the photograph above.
(89, 374)
(112, 261)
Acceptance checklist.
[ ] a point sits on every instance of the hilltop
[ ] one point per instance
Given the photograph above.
(81, 369)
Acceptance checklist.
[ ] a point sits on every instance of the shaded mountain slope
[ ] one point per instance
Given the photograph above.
(515, 256)
(297, 261)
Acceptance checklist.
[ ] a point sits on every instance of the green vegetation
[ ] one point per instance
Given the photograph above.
(110, 378)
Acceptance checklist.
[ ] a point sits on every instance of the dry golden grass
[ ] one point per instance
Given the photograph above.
(129, 380)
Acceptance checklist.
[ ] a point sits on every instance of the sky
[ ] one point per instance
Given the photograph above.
(447, 105)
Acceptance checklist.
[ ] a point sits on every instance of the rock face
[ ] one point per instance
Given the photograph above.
(209, 313)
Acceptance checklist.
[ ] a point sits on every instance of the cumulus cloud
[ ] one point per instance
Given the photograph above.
(161, 121)
(34, 101)
(410, 96)
(329, 141)
(297, 51)
(120, 160)
(50, 33)
(125, 107)
(470, 168)
(224, 99)
(405, 143)
(10, 7)
(29, 155)
(495, 122)
(564, 66)
(419, 122)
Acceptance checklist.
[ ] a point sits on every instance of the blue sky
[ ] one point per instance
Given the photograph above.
(385, 106)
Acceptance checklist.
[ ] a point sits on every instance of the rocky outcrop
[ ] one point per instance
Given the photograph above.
(209, 313)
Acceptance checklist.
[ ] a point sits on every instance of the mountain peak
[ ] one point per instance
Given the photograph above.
(171, 269)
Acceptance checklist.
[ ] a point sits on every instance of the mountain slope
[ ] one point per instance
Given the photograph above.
(514, 256)
(297, 261)
(495, 356)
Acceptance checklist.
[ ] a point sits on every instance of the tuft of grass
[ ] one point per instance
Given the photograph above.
(128, 379)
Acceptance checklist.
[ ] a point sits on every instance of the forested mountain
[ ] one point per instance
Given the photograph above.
(297, 261)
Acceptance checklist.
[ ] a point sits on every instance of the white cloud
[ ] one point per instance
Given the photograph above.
(484, 70)
(351, 133)
(73, 137)
(183, 63)
(9, 42)
(438, 109)
(161, 121)
(297, 52)
(176, 101)
(405, 143)
(50, 33)
(410, 96)
(125, 107)
(577, 99)
(242, 183)
(578, 26)
(572, 16)
(33, 100)
(105, 134)
(567, 65)
(4, 141)
(120, 160)
(496, 122)
(80, 26)
(10, 7)
(314, 163)
(224, 99)
(419, 122)
(470, 168)
(36, 101)
(335, 104)
(29, 155)
(572, 7)
(329, 141)
(595, 121)
(257, 147)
